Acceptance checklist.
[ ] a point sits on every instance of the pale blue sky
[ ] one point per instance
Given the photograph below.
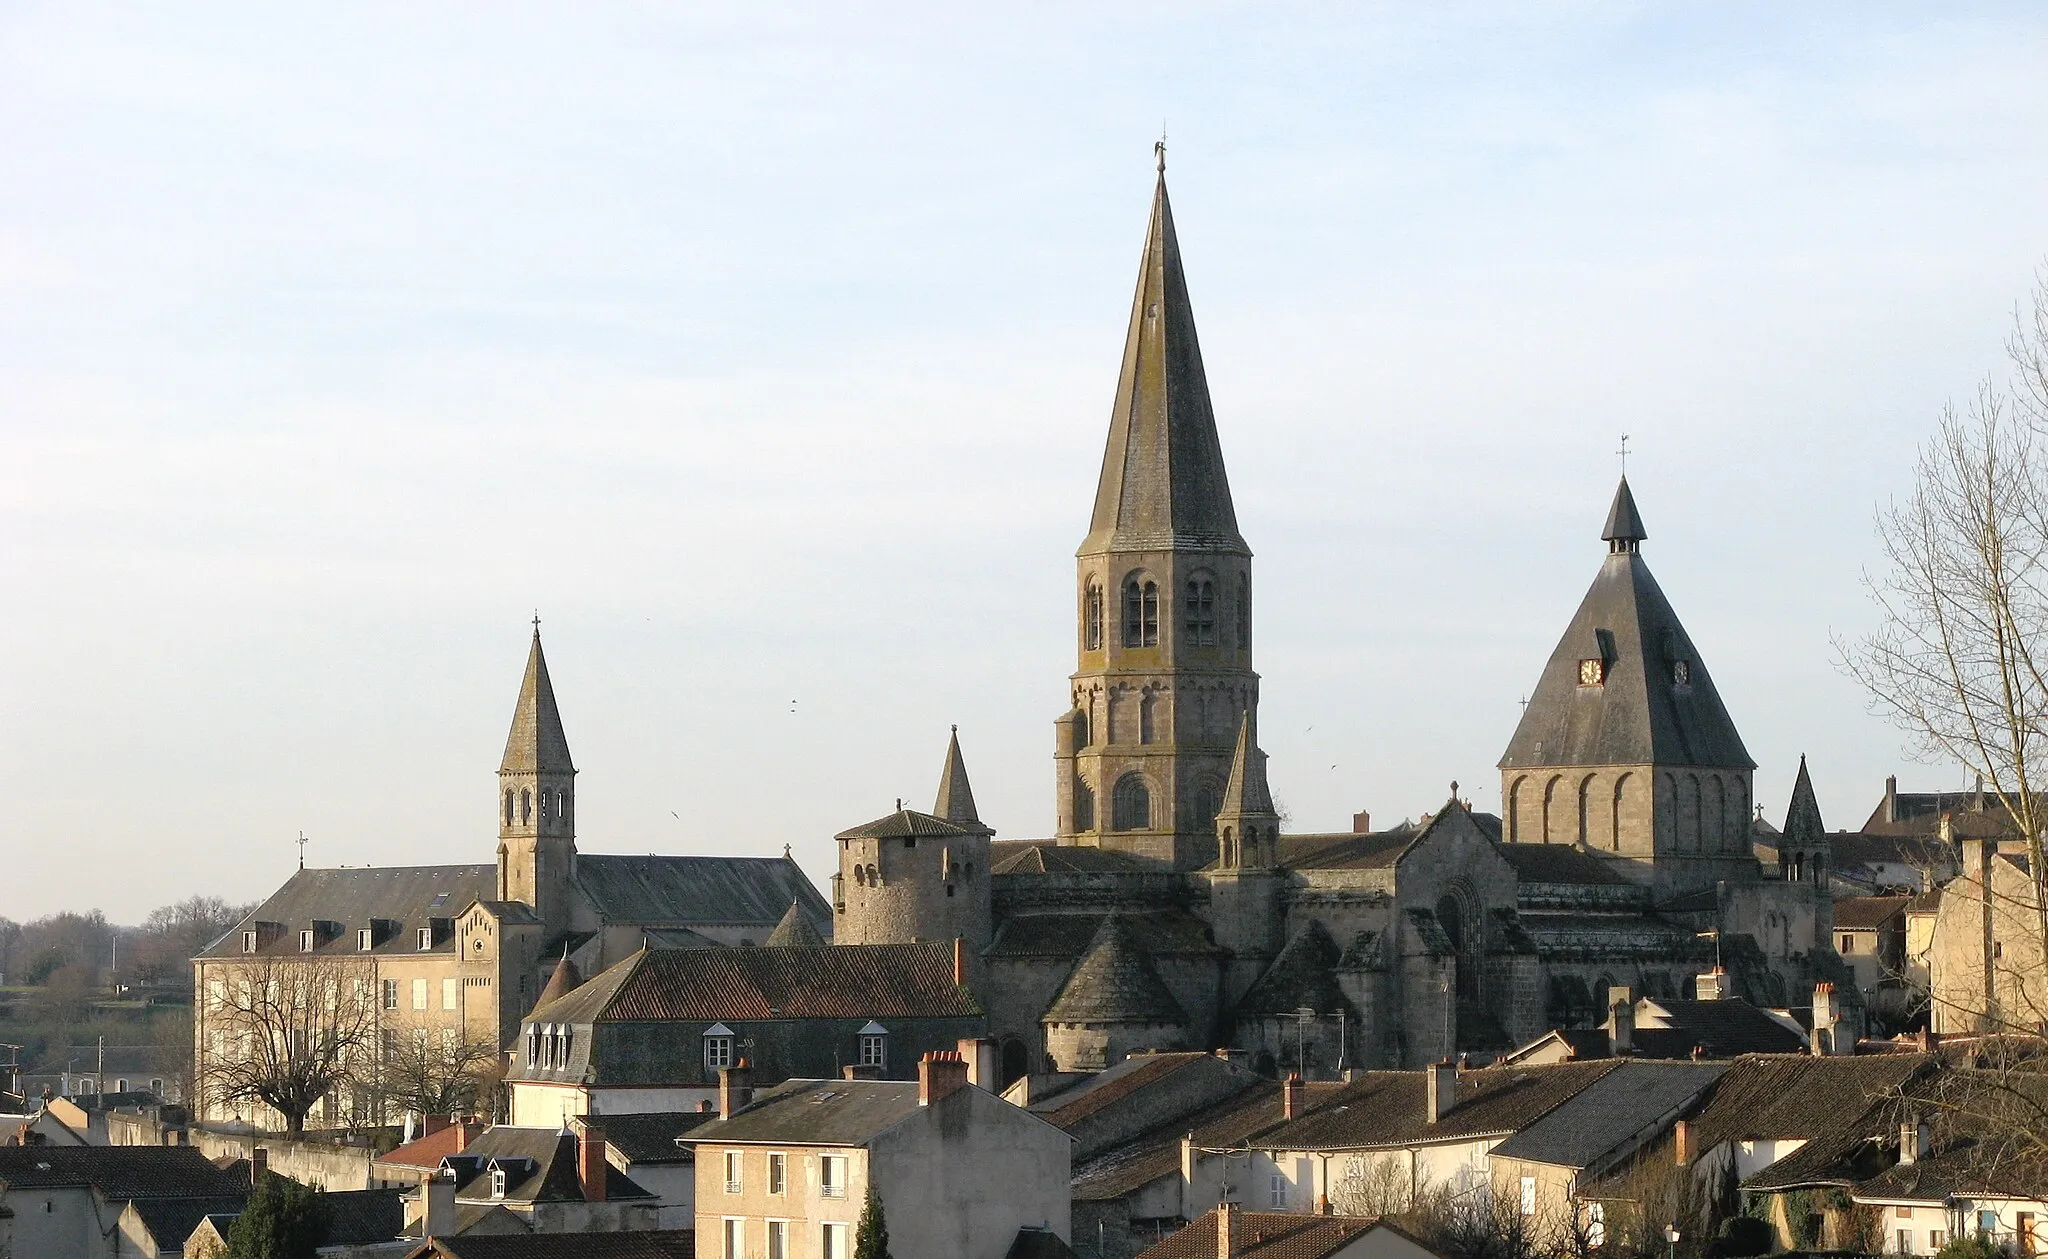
(769, 355)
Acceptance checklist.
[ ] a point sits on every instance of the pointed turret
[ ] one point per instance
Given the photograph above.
(1804, 850)
(537, 744)
(1624, 530)
(795, 931)
(1247, 825)
(956, 795)
(560, 984)
(1163, 486)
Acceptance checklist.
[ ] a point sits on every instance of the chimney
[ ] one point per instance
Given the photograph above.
(1913, 1140)
(431, 1124)
(1440, 1087)
(259, 1166)
(960, 961)
(1621, 1023)
(467, 1129)
(437, 1204)
(1891, 798)
(735, 1089)
(1681, 1143)
(860, 1073)
(1187, 1166)
(1823, 1041)
(590, 1162)
(940, 1074)
(1291, 1091)
(1361, 823)
(1712, 985)
(984, 1062)
(1226, 1225)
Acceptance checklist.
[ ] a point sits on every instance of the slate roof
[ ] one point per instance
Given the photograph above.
(1804, 828)
(540, 1165)
(1387, 1108)
(1037, 1243)
(876, 981)
(1303, 975)
(1375, 851)
(358, 1217)
(1612, 1112)
(816, 1112)
(1166, 933)
(1138, 1163)
(411, 896)
(654, 1244)
(1115, 982)
(1638, 715)
(955, 801)
(905, 824)
(795, 931)
(1920, 813)
(1962, 1168)
(1727, 1028)
(1624, 522)
(1246, 792)
(1849, 848)
(1798, 1096)
(650, 1137)
(1163, 484)
(1868, 913)
(1101, 1089)
(120, 1171)
(171, 1221)
(689, 891)
(536, 743)
(1266, 1235)
(560, 983)
(1558, 863)
(1044, 856)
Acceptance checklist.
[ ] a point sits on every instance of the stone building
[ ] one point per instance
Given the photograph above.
(1167, 910)
(459, 952)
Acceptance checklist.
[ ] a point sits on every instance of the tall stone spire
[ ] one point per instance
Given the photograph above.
(537, 799)
(1163, 485)
(536, 743)
(956, 795)
(1164, 598)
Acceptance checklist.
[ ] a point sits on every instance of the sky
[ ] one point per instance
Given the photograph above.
(766, 353)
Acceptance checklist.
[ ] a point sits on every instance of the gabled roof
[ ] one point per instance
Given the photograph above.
(1868, 913)
(540, 1165)
(1375, 851)
(817, 1112)
(1114, 982)
(1163, 484)
(1045, 856)
(1271, 1235)
(1612, 1114)
(692, 891)
(426, 1151)
(829, 981)
(1138, 1163)
(1641, 712)
(1558, 863)
(1303, 975)
(1102, 1089)
(1797, 1096)
(650, 1137)
(654, 1244)
(171, 1221)
(1388, 1108)
(1668, 1027)
(536, 743)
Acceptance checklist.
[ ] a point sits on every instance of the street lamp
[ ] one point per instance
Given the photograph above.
(1671, 1236)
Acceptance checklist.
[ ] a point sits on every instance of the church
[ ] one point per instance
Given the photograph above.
(1168, 910)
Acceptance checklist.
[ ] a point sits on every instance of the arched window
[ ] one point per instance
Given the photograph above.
(874, 877)
(525, 805)
(860, 876)
(1201, 612)
(1141, 613)
(1091, 617)
(508, 808)
(1084, 807)
(1205, 809)
(1132, 807)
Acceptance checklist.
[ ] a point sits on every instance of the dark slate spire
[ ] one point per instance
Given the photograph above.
(795, 931)
(1163, 484)
(1624, 531)
(1803, 826)
(1303, 975)
(1649, 699)
(956, 795)
(536, 744)
(1115, 982)
(1246, 794)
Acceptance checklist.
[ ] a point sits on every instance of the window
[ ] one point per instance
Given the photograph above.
(305, 942)
(248, 942)
(391, 994)
(451, 993)
(778, 1239)
(156, 1086)
(1141, 613)
(1132, 806)
(1596, 1224)
(1934, 1241)
(525, 806)
(1244, 616)
(1091, 618)
(1201, 612)
(1084, 808)
(497, 1182)
(835, 1246)
(1987, 1223)
(778, 1173)
(718, 1048)
(874, 1047)
(1592, 672)
(832, 1176)
(1904, 1213)
(533, 1044)
(732, 1171)
(1205, 809)
(1528, 1195)
(735, 1239)
(419, 994)
(1905, 1241)
(508, 808)
(1276, 1192)
(426, 938)
(366, 940)
(1846, 942)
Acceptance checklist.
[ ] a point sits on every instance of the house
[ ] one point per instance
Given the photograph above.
(657, 1244)
(66, 1201)
(1949, 1184)
(421, 1157)
(652, 1033)
(362, 1224)
(87, 1071)
(550, 1180)
(1106, 1109)
(1670, 1028)
(1985, 965)
(651, 1150)
(1870, 934)
(1229, 1233)
(959, 1171)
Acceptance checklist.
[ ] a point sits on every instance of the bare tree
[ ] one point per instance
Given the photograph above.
(437, 1070)
(285, 1033)
(1959, 659)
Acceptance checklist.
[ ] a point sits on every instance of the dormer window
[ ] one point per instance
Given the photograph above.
(426, 937)
(718, 1040)
(497, 1182)
(874, 1046)
(305, 942)
(1681, 673)
(248, 942)
(1592, 672)
(366, 939)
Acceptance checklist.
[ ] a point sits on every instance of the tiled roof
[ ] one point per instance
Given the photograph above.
(695, 891)
(1868, 913)
(906, 824)
(1044, 856)
(1115, 982)
(1961, 1168)
(1387, 1108)
(1165, 933)
(1558, 863)
(816, 1112)
(358, 1217)
(830, 981)
(426, 1151)
(1038, 1243)
(1610, 1113)
(1104, 1088)
(1375, 851)
(410, 896)
(651, 1137)
(1138, 1163)
(795, 929)
(1266, 1235)
(657, 1244)
(1848, 848)
(120, 1171)
(1798, 1096)
(541, 1167)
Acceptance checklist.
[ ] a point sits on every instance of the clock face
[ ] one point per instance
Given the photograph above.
(1591, 672)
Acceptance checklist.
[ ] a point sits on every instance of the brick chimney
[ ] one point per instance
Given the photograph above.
(1621, 1022)
(1292, 1091)
(960, 961)
(1226, 1228)
(942, 1072)
(466, 1131)
(1440, 1089)
(735, 1089)
(1361, 823)
(1681, 1143)
(1711, 985)
(984, 1062)
(590, 1162)
(259, 1164)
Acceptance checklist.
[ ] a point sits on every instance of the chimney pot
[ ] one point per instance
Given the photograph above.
(1621, 1022)
(940, 1074)
(466, 1131)
(984, 1059)
(1361, 823)
(1291, 1092)
(735, 1089)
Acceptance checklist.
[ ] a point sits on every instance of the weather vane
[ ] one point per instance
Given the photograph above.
(1159, 147)
(302, 841)
(1623, 452)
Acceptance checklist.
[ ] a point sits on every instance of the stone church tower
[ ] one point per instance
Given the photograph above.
(1162, 599)
(537, 801)
(1625, 749)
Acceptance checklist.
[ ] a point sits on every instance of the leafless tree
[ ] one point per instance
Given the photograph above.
(436, 1071)
(285, 1033)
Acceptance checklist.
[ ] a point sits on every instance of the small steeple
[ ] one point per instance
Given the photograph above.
(1247, 826)
(536, 744)
(1624, 531)
(559, 984)
(956, 795)
(1163, 484)
(795, 931)
(1803, 826)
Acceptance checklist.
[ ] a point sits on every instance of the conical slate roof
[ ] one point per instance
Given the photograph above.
(1653, 702)
(1803, 825)
(1163, 484)
(1624, 522)
(956, 795)
(1247, 792)
(795, 930)
(1304, 975)
(560, 984)
(536, 744)
(1115, 982)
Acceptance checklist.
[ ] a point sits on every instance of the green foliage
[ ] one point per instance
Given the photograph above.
(1971, 1246)
(871, 1239)
(284, 1220)
(1744, 1235)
